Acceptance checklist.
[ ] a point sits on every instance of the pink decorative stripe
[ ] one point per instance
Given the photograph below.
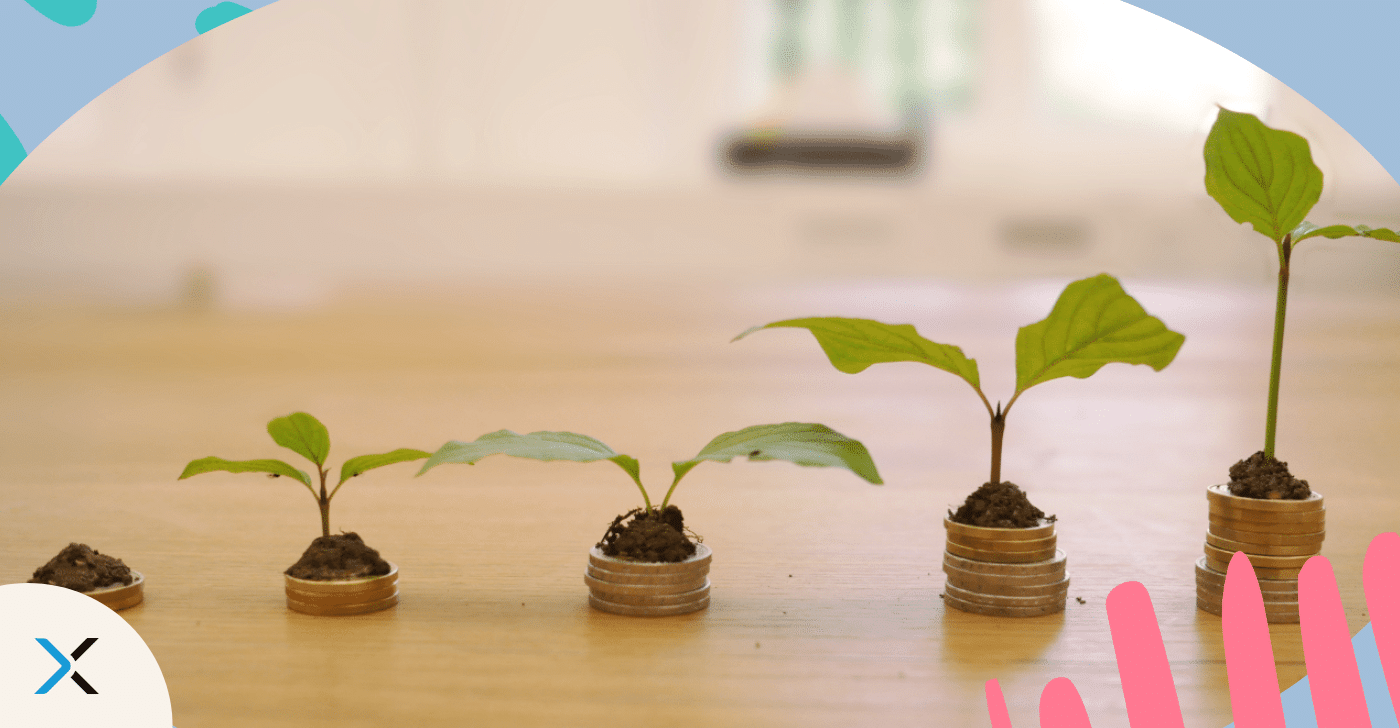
(1249, 653)
(996, 705)
(1381, 575)
(1148, 688)
(1060, 706)
(1338, 700)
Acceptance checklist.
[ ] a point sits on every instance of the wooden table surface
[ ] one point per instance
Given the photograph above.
(826, 607)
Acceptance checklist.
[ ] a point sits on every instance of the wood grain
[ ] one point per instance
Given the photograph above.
(826, 608)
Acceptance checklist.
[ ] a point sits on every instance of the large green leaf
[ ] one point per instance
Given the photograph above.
(1307, 230)
(544, 446)
(356, 465)
(302, 434)
(796, 442)
(1092, 324)
(272, 467)
(1262, 176)
(853, 345)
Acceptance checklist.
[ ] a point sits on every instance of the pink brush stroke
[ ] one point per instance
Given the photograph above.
(1249, 653)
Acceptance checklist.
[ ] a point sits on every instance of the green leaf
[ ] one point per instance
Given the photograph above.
(802, 443)
(273, 467)
(302, 434)
(853, 345)
(546, 446)
(1092, 324)
(355, 466)
(1307, 230)
(1262, 176)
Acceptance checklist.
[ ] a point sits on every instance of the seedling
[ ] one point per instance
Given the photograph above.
(1093, 323)
(306, 436)
(1266, 177)
(796, 442)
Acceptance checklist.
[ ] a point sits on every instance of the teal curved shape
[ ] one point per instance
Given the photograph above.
(11, 150)
(214, 16)
(71, 13)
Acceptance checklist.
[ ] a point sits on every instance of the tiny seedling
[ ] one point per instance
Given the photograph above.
(1093, 323)
(306, 436)
(1266, 177)
(796, 442)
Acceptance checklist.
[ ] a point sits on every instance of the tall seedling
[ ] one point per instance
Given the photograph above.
(1266, 177)
(1093, 323)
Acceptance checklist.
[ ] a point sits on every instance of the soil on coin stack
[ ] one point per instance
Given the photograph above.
(655, 536)
(81, 568)
(342, 556)
(998, 505)
(1261, 476)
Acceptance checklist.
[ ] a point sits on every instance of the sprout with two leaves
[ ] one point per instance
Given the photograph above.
(1093, 323)
(329, 556)
(657, 532)
(1266, 177)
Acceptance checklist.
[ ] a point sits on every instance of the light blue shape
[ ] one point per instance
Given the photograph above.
(1297, 700)
(71, 13)
(63, 666)
(50, 72)
(212, 17)
(11, 151)
(1338, 55)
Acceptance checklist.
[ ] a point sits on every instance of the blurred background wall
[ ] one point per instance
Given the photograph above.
(319, 146)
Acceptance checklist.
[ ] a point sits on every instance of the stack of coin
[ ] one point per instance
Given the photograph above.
(1278, 537)
(121, 596)
(648, 588)
(341, 597)
(1004, 572)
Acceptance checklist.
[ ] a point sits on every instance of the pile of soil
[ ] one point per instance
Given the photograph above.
(342, 556)
(655, 536)
(998, 505)
(81, 568)
(1261, 476)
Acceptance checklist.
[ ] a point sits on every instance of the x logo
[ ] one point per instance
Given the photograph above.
(64, 665)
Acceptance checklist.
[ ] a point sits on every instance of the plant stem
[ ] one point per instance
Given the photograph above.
(998, 427)
(325, 502)
(1285, 252)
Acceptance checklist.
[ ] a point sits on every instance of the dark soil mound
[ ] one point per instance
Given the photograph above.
(998, 505)
(80, 568)
(657, 536)
(342, 556)
(1260, 476)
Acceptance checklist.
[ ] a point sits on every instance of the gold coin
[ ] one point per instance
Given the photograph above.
(1260, 573)
(962, 530)
(1267, 562)
(1270, 617)
(1054, 565)
(321, 609)
(998, 600)
(700, 559)
(1269, 597)
(604, 588)
(1207, 575)
(629, 577)
(121, 596)
(968, 579)
(1226, 544)
(1000, 557)
(1258, 527)
(1269, 605)
(1004, 586)
(1002, 546)
(1270, 539)
(995, 611)
(1220, 494)
(1317, 517)
(628, 610)
(653, 599)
